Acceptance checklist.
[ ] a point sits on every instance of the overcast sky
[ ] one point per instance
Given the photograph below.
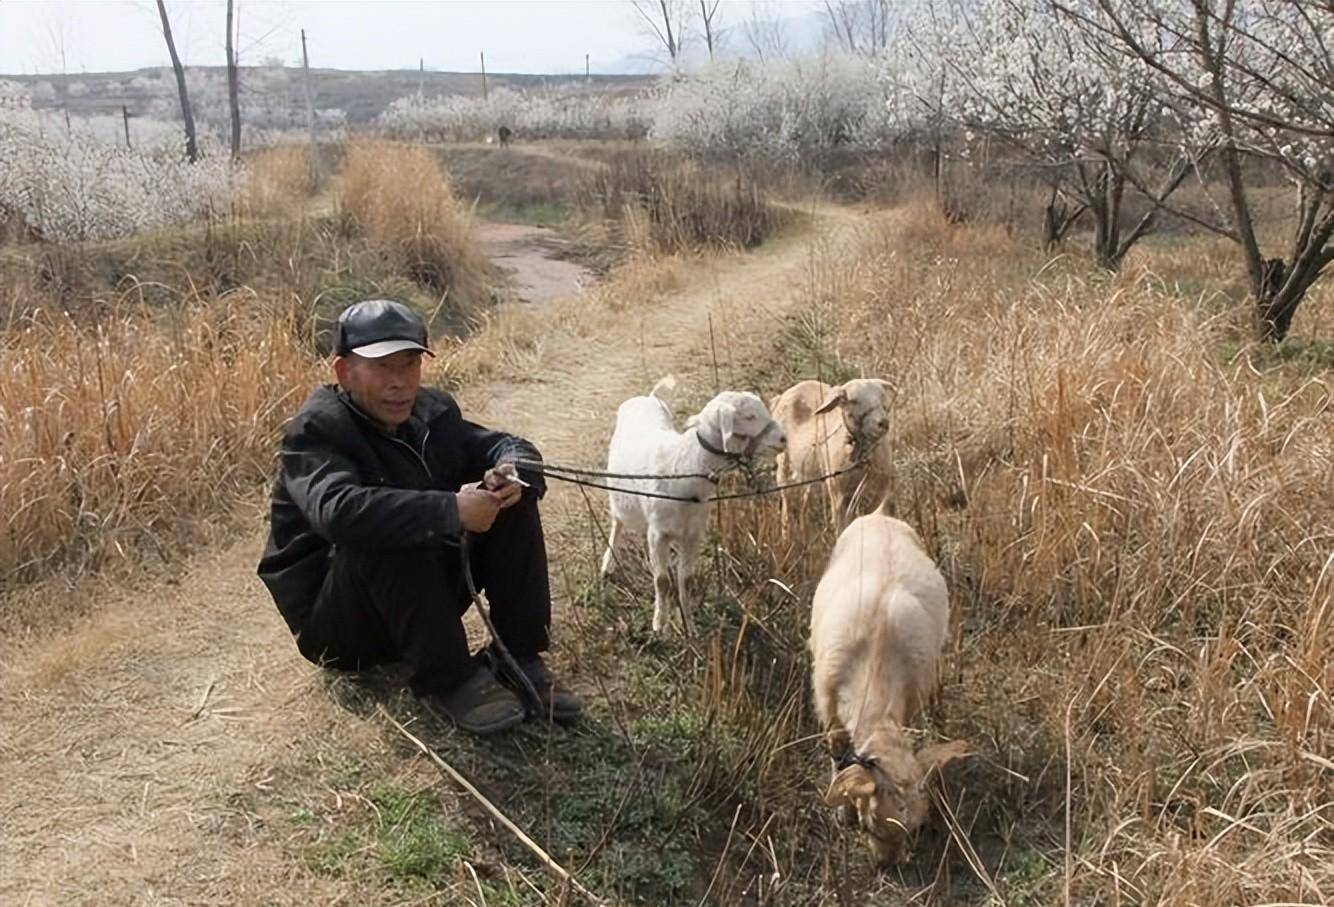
(543, 36)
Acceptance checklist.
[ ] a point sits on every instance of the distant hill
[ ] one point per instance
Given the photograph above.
(360, 95)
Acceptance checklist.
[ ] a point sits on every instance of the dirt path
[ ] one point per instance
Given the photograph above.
(531, 258)
(149, 752)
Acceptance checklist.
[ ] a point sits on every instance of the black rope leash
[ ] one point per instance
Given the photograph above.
(534, 704)
(555, 472)
(551, 469)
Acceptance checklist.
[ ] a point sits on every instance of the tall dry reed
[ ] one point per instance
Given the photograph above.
(662, 203)
(277, 179)
(400, 200)
(112, 436)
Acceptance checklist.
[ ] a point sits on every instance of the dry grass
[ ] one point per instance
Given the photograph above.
(1135, 522)
(114, 436)
(1143, 567)
(662, 204)
(278, 179)
(398, 198)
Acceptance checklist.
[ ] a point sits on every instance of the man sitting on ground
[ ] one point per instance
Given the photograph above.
(379, 481)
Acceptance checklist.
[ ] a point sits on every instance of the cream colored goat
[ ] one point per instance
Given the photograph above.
(878, 624)
(731, 426)
(822, 441)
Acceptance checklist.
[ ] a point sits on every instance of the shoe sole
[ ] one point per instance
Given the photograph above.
(481, 730)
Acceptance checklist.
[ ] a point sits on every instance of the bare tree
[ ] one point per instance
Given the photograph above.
(191, 146)
(233, 87)
(665, 21)
(1257, 79)
(860, 26)
(765, 30)
(707, 12)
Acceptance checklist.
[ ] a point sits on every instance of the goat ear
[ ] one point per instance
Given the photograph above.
(837, 400)
(935, 757)
(884, 386)
(853, 783)
(726, 422)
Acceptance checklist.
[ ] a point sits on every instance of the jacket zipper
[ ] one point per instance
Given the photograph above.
(421, 456)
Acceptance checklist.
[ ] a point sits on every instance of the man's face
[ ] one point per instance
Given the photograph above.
(383, 388)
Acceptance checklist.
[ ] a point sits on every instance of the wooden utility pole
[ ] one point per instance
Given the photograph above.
(310, 109)
(482, 54)
(233, 85)
(586, 76)
(191, 146)
(125, 115)
(421, 76)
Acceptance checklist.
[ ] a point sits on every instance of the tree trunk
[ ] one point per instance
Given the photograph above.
(672, 47)
(191, 146)
(1108, 234)
(1283, 286)
(233, 88)
(707, 18)
(1057, 219)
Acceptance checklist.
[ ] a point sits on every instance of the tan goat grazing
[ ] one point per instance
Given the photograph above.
(878, 623)
(821, 441)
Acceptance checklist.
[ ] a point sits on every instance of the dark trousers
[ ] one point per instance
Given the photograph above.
(407, 604)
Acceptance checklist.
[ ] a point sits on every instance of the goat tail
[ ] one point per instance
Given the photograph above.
(663, 389)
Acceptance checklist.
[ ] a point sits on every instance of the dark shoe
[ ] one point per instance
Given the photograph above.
(479, 705)
(561, 704)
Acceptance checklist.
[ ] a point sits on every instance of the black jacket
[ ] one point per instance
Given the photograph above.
(342, 480)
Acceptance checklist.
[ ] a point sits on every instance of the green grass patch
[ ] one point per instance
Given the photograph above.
(407, 837)
(537, 212)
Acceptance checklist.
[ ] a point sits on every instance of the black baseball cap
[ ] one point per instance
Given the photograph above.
(375, 328)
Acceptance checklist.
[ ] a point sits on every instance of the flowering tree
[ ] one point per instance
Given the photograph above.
(778, 110)
(1257, 78)
(1090, 119)
(80, 182)
(541, 114)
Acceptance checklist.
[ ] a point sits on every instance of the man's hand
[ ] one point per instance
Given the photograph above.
(478, 507)
(504, 482)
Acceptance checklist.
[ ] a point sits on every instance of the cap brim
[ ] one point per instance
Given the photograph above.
(388, 348)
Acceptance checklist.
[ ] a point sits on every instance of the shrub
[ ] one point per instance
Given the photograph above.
(276, 179)
(397, 198)
(663, 203)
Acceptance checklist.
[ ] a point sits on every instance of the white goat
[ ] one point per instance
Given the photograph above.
(733, 426)
(878, 623)
(821, 443)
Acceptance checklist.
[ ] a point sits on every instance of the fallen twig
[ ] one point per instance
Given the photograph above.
(545, 858)
(203, 700)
